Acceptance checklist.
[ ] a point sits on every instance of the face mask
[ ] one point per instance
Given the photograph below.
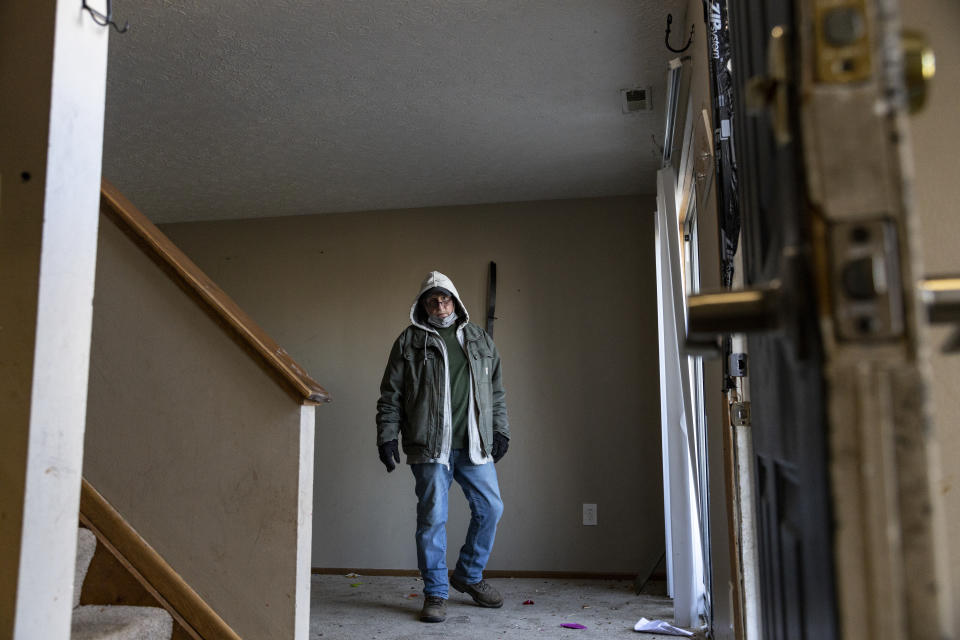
(442, 323)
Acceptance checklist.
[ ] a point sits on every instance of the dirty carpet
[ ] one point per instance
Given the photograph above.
(387, 608)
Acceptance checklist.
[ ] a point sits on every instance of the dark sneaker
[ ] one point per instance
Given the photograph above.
(434, 609)
(482, 593)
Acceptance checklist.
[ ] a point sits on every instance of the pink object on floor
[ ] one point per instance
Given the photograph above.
(572, 625)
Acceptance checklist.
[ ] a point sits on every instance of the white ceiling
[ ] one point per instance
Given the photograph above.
(239, 109)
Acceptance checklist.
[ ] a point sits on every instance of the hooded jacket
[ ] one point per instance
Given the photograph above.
(415, 390)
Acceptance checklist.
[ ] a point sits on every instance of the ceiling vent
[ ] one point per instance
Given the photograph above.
(636, 99)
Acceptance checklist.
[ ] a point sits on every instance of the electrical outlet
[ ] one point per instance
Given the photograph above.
(589, 514)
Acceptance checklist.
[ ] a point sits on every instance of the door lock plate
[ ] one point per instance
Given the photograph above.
(740, 414)
(867, 289)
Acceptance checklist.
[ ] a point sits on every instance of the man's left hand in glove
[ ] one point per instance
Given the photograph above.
(500, 445)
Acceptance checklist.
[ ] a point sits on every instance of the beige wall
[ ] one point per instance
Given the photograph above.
(576, 330)
(936, 142)
(197, 446)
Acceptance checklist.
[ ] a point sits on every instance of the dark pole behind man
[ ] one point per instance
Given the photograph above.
(442, 395)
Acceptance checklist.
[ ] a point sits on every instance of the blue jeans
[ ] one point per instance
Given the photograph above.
(479, 484)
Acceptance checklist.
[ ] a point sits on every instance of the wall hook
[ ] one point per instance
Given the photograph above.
(105, 20)
(666, 38)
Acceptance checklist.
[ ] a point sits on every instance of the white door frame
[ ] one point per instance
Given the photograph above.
(681, 504)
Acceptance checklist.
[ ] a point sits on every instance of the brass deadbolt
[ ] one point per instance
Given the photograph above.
(919, 67)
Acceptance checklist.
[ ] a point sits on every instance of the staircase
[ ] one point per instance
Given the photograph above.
(192, 404)
(113, 622)
(197, 474)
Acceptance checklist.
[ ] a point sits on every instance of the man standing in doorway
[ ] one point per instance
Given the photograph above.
(442, 396)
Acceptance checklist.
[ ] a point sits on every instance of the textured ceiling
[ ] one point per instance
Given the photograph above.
(240, 109)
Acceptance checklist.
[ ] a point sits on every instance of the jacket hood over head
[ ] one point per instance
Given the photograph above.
(418, 315)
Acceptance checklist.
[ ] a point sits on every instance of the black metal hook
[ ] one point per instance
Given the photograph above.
(666, 38)
(105, 20)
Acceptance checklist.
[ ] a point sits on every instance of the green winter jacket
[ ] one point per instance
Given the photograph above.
(413, 392)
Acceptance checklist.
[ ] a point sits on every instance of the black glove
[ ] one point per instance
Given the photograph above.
(500, 445)
(388, 453)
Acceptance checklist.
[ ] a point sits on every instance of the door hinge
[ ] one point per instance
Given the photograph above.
(737, 365)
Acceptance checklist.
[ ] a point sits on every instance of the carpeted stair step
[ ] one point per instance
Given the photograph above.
(117, 622)
(86, 546)
(111, 622)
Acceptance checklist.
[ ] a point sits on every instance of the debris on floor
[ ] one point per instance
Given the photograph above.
(572, 625)
(659, 626)
(383, 609)
(528, 602)
(352, 575)
(356, 584)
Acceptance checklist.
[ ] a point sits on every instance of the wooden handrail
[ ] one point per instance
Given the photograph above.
(170, 590)
(134, 223)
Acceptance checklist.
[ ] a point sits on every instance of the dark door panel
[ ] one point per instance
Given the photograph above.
(786, 382)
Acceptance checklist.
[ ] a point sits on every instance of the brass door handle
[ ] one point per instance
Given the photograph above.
(762, 308)
(941, 296)
(710, 315)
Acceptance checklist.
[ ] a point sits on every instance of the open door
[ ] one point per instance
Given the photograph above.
(847, 519)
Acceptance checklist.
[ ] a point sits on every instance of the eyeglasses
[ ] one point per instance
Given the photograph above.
(438, 301)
